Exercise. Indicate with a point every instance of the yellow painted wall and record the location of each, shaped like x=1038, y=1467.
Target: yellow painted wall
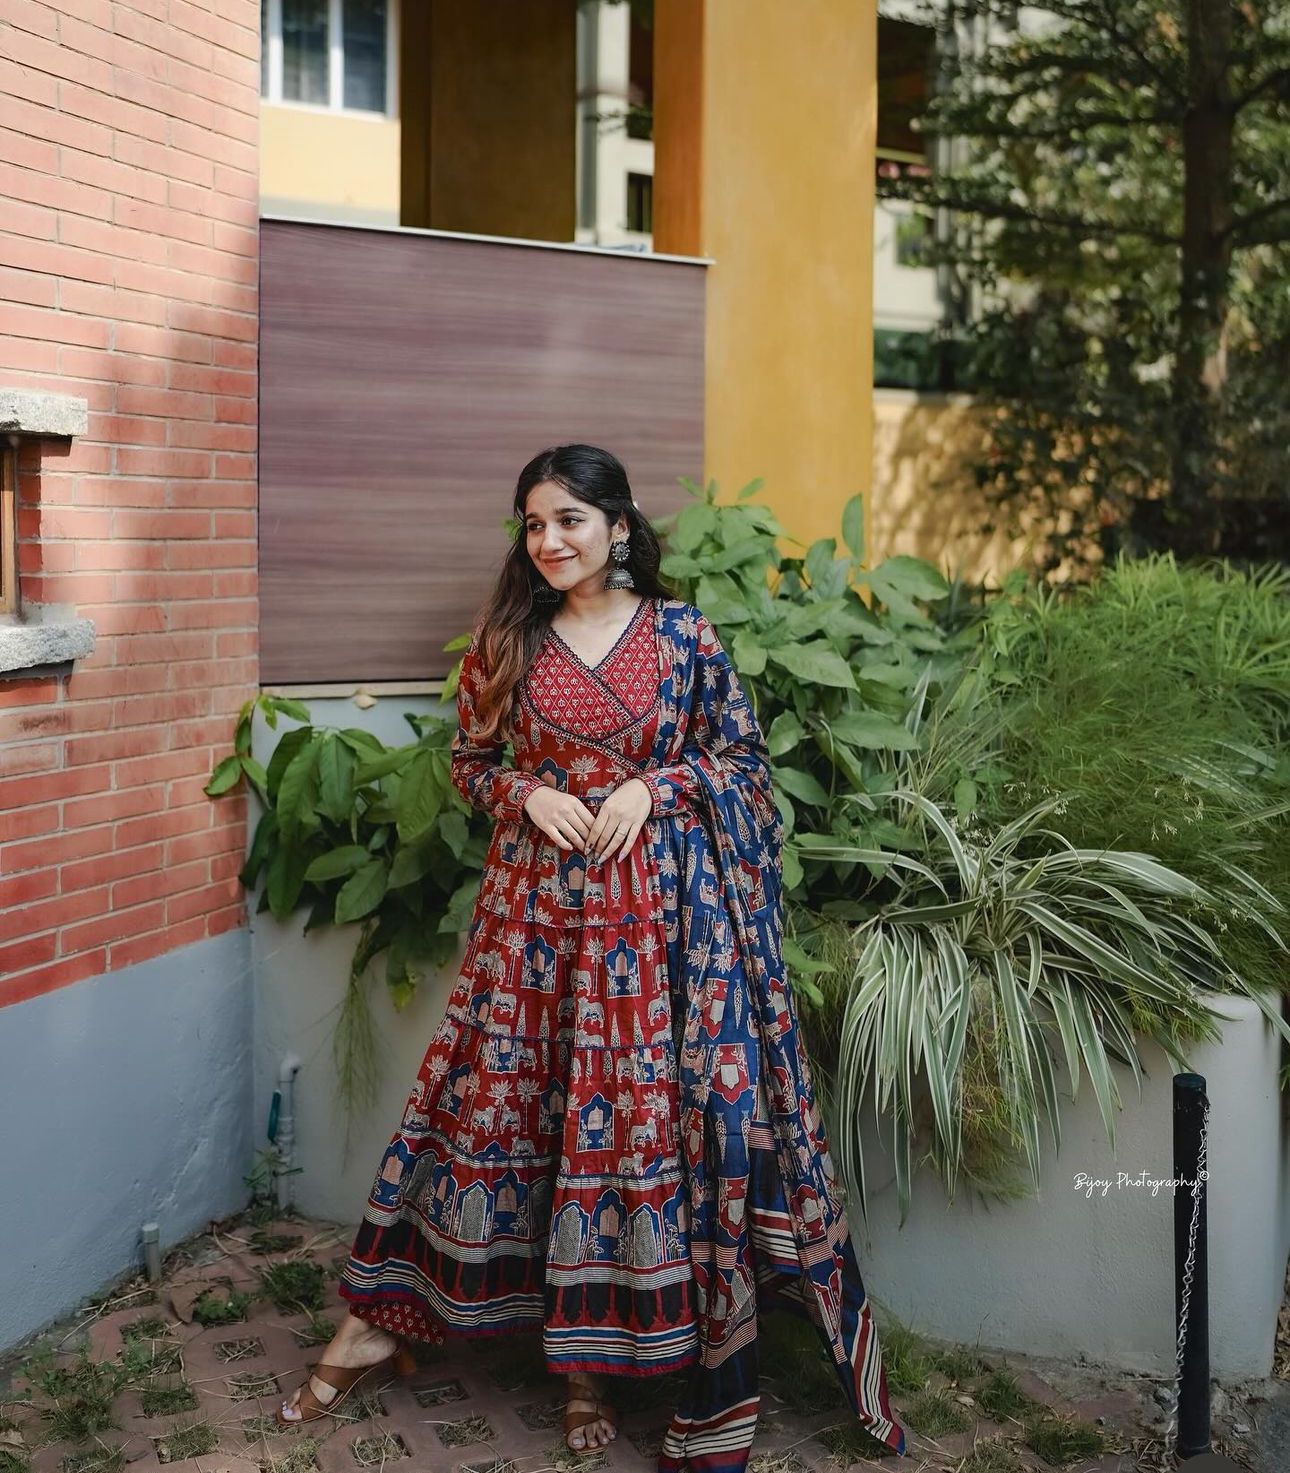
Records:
x=336, y=166
x=925, y=501
x=789, y=116
x=488, y=104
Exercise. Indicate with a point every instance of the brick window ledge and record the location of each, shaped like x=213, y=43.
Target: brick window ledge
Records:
x=39, y=639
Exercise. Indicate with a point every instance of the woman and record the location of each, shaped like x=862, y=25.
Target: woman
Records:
x=613, y=1135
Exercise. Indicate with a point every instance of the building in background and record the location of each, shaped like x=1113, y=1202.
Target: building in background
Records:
x=212, y=408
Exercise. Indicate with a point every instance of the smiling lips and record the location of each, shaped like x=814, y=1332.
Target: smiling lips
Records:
x=551, y=561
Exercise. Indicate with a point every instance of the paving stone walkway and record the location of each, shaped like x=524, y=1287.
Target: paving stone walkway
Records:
x=150, y=1377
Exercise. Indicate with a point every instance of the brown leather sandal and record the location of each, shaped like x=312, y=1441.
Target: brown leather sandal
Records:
x=582, y=1411
x=344, y=1381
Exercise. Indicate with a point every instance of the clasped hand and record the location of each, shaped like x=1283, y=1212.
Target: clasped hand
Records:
x=608, y=834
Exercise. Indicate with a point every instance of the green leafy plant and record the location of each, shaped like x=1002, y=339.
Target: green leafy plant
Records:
x=362, y=834
x=981, y=878
x=214, y=1308
x=296, y=1285
x=355, y=832
x=831, y=652
x=80, y=1396
x=1159, y=699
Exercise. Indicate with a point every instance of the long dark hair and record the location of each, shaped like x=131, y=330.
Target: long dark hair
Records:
x=512, y=625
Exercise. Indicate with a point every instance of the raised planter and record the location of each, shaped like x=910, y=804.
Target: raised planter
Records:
x=1087, y=1267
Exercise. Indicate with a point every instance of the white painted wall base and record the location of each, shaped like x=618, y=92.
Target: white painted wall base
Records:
x=300, y=984
x=125, y=1099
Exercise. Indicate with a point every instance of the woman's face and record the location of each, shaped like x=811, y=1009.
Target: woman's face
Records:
x=567, y=539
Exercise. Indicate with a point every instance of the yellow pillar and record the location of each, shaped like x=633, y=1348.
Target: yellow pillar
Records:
x=788, y=115
x=488, y=117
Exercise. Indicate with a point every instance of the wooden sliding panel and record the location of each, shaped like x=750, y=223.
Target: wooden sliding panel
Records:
x=405, y=379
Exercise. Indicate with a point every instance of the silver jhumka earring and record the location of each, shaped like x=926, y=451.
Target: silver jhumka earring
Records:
x=618, y=576
x=545, y=595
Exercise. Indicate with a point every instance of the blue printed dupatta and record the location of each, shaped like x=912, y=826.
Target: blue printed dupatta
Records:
x=767, y=1223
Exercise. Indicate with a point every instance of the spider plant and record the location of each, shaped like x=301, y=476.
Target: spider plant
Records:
x=1017, y=943
x=1001, y=954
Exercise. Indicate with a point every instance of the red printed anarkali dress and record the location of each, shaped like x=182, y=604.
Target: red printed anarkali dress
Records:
x=613, y=1135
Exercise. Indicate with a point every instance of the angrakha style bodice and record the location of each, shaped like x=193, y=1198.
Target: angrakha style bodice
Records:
x=612, y=1135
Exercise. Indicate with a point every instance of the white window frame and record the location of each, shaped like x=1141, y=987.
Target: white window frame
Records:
x=335, y=64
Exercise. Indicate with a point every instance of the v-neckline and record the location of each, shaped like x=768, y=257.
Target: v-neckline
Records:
x=613, y=648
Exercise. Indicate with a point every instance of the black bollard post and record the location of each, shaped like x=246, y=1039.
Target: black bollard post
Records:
x=1191, y=1265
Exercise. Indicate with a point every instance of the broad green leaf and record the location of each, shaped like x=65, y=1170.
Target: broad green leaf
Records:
x=420, y=797
x=255, y=772
x=335, y=778
x=695, y=522
x=288, y=745
x=461, y=906
x=853, y=526
x=910, y=576
x=801, y=785
x=872, y=730
x=818, y=663
x=286, y=878
x=361, y=743
x=819, y=560
x=266, y=831
x=362, y=892
x=410, y=864
x=226, y=773
x=394, y=760
x=749, y=656
x=784, y=734
x=336, y=862
x=751, y=489
x=454, y=831
x=298, y=790
x=296, y=710
x=800, y=961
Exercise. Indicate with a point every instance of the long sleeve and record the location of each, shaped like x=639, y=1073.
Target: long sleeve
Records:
x=723, y=740
x=477, y=771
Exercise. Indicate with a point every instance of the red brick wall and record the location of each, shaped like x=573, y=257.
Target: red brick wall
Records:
x=128, y=265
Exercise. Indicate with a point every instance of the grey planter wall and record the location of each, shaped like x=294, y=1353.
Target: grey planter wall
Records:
x=1083, y=1270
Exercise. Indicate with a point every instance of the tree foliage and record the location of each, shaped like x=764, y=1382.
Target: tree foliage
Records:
x=1121, y=189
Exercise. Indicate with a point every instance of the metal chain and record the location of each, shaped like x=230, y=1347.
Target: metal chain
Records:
x=1202, y=1174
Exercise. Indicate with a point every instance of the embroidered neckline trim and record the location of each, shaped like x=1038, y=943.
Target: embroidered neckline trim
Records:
x=613, y=648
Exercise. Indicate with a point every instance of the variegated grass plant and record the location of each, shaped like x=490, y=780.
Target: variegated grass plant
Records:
x=1006, y=964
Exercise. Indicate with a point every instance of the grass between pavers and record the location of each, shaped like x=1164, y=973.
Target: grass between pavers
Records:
x=80, y=1395
x=186, y=1440
x=318, y=1331
x=101, y=1459
x=848, y=1442
x=262, y=1241
x=299, y=1455
x=1061, y=1439
x=792, y=1362
x=564, y=1459
x=385, y=1447
x=295, y=1286
x=165, y=1401
x=216, y=1308
x=992, y=1455
x=937, y=1413
x=1001, y=1398
x=465, y=1430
